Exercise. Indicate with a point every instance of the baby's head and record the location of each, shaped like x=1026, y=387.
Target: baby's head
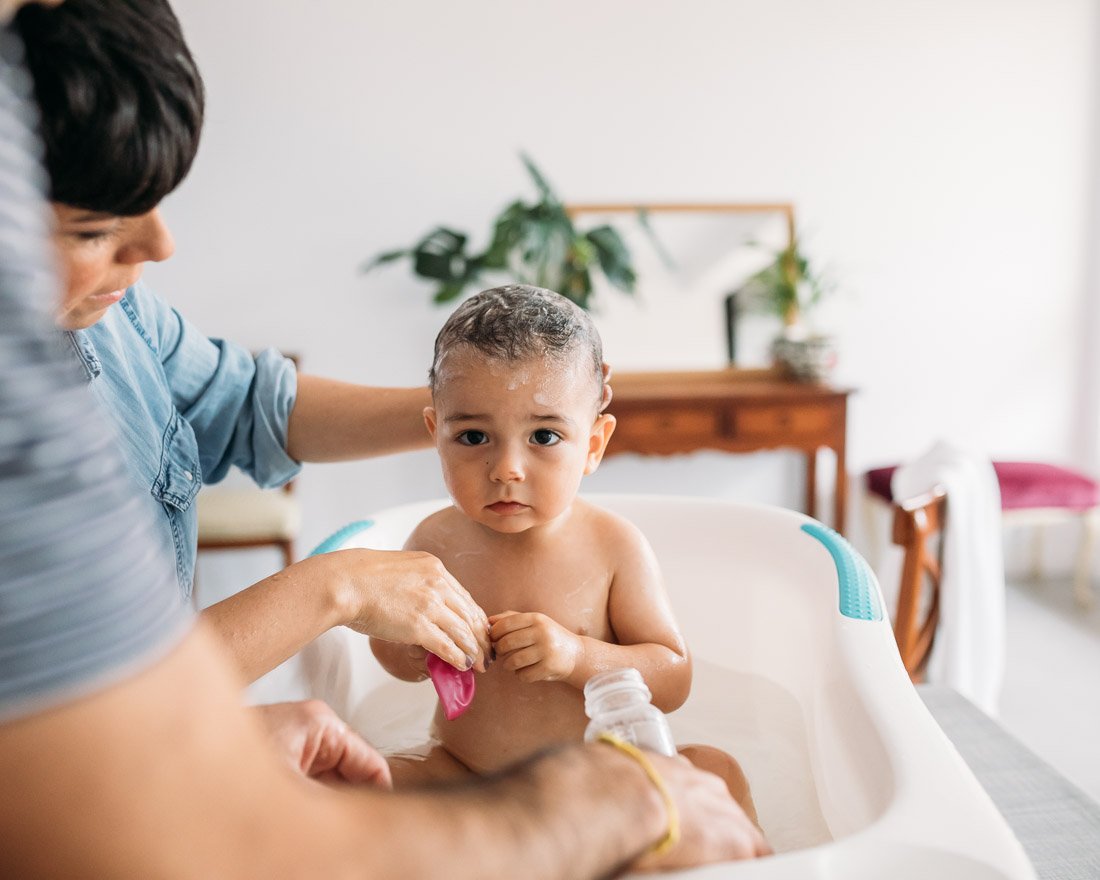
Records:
x=520, y=323
x=517, y=385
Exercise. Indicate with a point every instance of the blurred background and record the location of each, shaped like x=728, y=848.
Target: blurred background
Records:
x=942, y=158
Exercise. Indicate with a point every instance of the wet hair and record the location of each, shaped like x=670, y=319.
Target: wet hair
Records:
x=120, y=97
x=519, y=322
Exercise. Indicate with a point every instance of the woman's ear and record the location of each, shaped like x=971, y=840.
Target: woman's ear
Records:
x=602, y=430
x=429, y=419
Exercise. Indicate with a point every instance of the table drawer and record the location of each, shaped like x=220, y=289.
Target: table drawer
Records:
x=666, y=426
x=782, y=422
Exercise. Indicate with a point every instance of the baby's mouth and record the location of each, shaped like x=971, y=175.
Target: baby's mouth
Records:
x=507, y=508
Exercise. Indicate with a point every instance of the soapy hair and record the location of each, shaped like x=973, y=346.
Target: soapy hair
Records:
x=519, y=322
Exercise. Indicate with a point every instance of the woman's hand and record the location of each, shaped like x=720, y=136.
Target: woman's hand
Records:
x=407, y=596
x=314, y=741
x=533, y=646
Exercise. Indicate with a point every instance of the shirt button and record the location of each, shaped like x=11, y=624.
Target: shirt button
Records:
x=190, y=476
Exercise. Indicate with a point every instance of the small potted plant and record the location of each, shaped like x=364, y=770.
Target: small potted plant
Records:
x=790, y=289
x=531, y=242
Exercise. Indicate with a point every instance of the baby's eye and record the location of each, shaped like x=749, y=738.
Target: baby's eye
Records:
x=545, y=437
x=473, y=438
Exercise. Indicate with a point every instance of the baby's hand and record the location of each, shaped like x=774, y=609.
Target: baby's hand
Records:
x=533, y=646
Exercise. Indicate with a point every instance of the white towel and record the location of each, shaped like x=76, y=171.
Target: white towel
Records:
x=969, y=650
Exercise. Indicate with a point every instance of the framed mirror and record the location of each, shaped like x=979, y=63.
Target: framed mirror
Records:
x=689, y=259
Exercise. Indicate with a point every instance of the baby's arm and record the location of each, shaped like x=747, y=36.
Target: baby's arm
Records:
x=540, y=649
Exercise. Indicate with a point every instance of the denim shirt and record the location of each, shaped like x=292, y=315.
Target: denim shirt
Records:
x=186, y=408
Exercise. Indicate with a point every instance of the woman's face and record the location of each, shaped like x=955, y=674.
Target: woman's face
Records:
x=100, y=255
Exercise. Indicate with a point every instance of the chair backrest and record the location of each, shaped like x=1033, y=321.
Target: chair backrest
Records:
x=918, y=530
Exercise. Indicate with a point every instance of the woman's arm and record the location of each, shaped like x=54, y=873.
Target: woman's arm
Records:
x=401, y=596
x=337, y=421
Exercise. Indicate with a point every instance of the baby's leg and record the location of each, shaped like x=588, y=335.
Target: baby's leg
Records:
x=434, y=765
x=724, y=766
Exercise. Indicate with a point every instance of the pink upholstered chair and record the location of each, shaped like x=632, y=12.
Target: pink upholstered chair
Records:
x=1034, y=494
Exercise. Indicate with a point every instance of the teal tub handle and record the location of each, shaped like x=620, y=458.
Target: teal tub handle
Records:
x=859, y=598
x=333, y=541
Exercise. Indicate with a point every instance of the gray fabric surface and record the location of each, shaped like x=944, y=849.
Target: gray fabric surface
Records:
x=1057, y=823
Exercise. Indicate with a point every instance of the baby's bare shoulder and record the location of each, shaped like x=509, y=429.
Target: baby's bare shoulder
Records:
x=615, y=532
x=436, y=531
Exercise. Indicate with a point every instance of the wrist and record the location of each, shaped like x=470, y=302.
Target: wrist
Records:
x=334, y=589
x=649, y=821
x=581, y=671
x=671, y=837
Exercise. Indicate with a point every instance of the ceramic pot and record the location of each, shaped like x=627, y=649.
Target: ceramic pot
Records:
x=806, y=358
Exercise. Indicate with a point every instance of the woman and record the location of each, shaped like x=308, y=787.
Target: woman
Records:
x=122, y=110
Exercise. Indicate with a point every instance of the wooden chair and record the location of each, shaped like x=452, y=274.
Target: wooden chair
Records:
x=238, y=519
x=243, y=518
x=918, y=530
x=1034, y=494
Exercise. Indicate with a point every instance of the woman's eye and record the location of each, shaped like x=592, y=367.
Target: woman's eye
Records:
x=473, y=438
x=545, y=437
x=93, y=234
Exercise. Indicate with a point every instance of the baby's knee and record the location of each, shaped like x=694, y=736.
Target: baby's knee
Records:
x=723, y=765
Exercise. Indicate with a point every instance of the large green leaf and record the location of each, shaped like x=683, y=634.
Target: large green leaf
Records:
x=383, y=258
x=546, y=192
x=613, y=256
x=439, y=255
x=507, y=232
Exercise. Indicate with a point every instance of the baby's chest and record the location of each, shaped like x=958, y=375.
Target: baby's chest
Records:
x=574, y=595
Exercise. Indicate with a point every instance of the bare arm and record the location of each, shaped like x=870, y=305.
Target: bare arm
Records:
x=339, y=421
x=405, y=662
x=396, y=595
x=185, y=786
x=646, y=632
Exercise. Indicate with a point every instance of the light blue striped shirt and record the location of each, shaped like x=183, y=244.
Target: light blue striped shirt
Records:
x=86, y=595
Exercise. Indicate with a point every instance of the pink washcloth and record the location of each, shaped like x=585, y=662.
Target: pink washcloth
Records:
x=455, y=688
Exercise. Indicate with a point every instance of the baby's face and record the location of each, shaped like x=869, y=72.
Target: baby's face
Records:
x=515, y=438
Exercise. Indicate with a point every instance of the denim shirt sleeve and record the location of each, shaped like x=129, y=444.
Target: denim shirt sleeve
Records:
x=238, y=406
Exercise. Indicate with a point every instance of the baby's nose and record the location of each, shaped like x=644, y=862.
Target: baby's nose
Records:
x=507, y=468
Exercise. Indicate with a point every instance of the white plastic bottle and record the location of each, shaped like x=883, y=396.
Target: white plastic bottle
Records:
x=617, y=701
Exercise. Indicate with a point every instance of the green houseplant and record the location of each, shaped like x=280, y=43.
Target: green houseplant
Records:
x=532, y=242
x=789, y=288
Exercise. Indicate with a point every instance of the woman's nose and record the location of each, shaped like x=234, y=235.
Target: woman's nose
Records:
x=150, y=241
x=507, y=467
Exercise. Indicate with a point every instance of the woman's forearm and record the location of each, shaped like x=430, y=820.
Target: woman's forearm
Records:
x=339, y=421
x=272, y=620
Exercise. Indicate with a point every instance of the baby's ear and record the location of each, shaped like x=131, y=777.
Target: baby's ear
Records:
x=429, y=419
x=602, y=430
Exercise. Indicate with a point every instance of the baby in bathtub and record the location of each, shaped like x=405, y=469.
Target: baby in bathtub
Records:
x=572, y=590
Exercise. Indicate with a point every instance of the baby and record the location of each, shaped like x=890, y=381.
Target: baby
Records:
x=572, y=590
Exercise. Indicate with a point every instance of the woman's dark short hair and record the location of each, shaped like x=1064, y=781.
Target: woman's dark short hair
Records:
x=121, y=101
x=518, y=322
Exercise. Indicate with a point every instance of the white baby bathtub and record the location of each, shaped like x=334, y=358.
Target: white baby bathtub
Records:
x=796, y=674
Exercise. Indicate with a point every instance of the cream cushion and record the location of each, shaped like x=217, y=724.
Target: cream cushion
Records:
x=247, y=515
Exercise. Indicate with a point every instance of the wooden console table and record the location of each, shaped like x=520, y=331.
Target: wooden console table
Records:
x=736, y=411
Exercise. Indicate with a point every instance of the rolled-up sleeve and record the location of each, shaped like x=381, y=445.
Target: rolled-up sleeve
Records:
x=238, y=405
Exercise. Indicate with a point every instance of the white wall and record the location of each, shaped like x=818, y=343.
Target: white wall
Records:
x=940, y=155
